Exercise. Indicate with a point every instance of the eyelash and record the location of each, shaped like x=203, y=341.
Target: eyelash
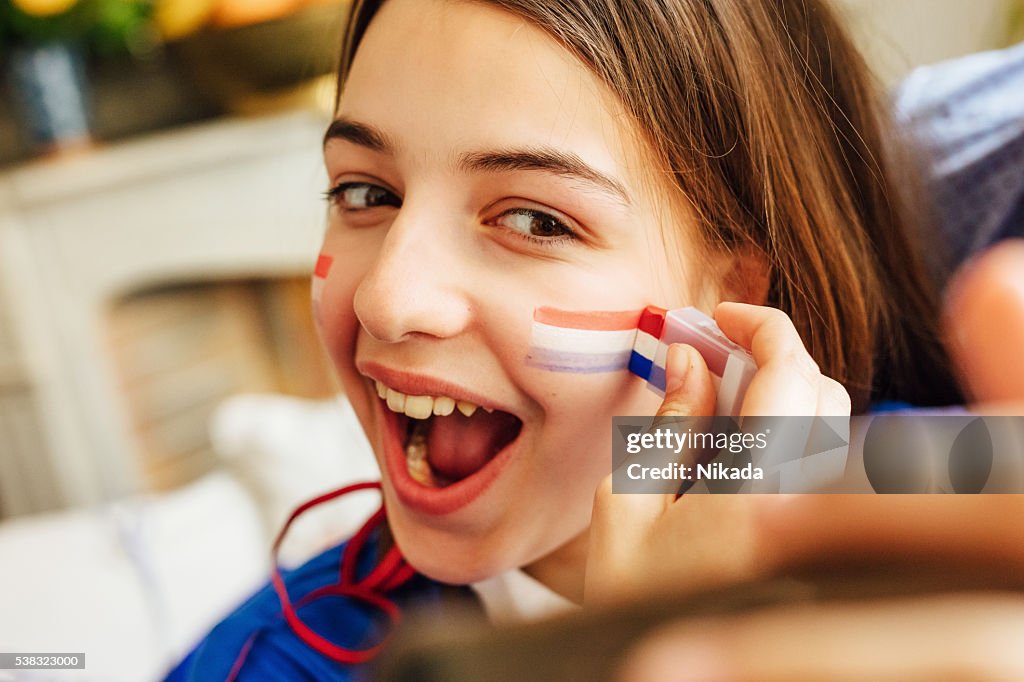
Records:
x=333, y=196
x=548, y=242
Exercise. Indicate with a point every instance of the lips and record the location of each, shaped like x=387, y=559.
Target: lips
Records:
x=417, y=384
x=439, y=463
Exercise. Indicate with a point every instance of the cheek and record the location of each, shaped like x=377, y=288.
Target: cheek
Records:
x=336, y=320
x=351, y=257
x=576, y=408
x=544, y=331
x=579, y=410
x=572, y=453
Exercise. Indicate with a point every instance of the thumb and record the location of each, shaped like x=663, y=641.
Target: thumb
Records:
x=688, y=388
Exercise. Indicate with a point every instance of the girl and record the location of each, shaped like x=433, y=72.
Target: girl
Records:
x=491, y=157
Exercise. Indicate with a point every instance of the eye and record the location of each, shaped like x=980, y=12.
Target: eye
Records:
x=357, y=196
x=535, y=225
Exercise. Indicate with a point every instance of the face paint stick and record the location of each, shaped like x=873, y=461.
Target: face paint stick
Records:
x=607, y=341
x=731, y=366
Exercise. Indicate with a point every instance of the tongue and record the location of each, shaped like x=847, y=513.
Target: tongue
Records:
x=458, y=446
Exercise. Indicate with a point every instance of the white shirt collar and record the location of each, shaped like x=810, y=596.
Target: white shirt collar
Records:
x=515, y=597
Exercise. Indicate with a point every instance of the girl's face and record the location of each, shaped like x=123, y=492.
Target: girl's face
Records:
x=479, y=172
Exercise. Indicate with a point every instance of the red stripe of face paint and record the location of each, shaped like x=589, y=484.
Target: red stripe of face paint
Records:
x=323, y=266
x=595, y=320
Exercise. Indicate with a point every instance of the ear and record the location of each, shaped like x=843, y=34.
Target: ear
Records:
x=746, y=276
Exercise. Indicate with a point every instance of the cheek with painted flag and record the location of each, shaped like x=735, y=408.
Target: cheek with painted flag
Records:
x=589, y=342
x=582, y=342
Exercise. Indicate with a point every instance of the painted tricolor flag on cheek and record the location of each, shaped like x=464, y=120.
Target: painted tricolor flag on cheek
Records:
x=323, y=267
x=582, y=342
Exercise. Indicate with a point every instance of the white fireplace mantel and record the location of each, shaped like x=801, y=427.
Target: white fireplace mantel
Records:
x=229, y=199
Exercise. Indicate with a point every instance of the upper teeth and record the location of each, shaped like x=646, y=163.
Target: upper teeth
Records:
x=422, y=406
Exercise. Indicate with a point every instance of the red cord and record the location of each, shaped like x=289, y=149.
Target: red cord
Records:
x=390, y=573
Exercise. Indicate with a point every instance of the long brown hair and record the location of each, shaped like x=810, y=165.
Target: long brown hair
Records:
x=767, y=122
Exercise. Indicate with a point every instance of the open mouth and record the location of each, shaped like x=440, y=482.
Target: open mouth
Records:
x=445, y=440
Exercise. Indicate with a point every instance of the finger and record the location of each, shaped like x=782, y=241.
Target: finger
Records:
x=619, y=530
x=984, y=319
x=766, y=332
x=1001, y=409
x=689, y=391
x=622, y=522
x=833, y=399
x=626, y=515
x=791, y=531
x=721, y=543
x=947, y=637
x=623, y=525
x=983, y=529
x=787, y=380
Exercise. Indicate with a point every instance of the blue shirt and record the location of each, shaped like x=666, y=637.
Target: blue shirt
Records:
x=276, y=652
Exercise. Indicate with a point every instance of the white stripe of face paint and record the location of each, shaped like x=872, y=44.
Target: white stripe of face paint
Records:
x=317, y=292
x=581, y=340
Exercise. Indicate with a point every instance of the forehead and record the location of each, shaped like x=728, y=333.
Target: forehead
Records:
x=433, y=72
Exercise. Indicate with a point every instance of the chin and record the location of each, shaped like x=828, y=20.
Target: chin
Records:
x=448, y=558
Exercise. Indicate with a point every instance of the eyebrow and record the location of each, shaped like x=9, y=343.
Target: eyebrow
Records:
x=545, y=159
x=360, y=134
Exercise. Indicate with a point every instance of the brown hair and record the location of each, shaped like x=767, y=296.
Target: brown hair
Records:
x=765, y=118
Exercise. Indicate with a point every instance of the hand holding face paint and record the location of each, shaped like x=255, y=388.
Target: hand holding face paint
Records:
x=787, y=380
x=731, y=366
x=609, y=341
x=644, y=542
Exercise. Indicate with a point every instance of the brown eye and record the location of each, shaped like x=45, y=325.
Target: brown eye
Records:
x=535, y=224
x=355, y=196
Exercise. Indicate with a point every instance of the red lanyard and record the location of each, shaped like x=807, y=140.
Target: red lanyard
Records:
x=390, y=573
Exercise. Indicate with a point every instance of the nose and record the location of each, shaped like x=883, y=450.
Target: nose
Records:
x=418, y=283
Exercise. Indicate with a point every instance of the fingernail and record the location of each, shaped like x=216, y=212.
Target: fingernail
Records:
x=677, y=366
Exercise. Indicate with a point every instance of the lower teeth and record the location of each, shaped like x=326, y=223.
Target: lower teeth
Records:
x=416, y=462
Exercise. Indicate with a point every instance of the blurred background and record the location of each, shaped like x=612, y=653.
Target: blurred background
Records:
x=163, y=399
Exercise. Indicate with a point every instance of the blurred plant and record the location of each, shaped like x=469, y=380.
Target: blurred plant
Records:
x=103, y=27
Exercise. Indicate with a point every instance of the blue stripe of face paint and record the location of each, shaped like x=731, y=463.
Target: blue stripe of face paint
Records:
x=577, y=363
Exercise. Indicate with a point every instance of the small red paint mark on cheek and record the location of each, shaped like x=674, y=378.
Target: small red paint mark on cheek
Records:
x=320, y=272
x=323, y=266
